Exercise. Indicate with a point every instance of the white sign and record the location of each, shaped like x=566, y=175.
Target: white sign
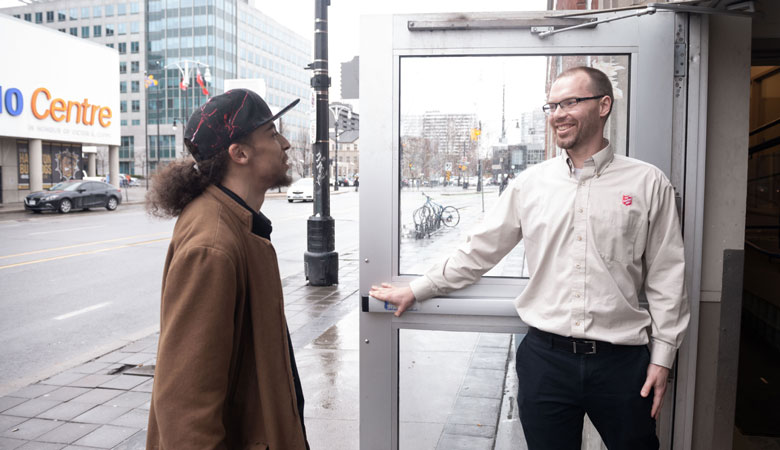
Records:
x=448, y=166
x=313, y=117
x=57, y=87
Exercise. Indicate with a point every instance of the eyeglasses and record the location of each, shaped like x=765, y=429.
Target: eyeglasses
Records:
x=550, y=108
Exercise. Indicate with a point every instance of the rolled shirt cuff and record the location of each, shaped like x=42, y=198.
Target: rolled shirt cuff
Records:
x=662, y=354
x=422, y=288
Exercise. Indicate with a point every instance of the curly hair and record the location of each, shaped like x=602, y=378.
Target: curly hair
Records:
x=180, y=182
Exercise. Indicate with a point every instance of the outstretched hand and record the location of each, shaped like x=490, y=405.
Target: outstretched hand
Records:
x=401, y=297
x=656, y=380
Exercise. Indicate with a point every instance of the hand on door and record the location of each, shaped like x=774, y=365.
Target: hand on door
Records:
x=401, y=296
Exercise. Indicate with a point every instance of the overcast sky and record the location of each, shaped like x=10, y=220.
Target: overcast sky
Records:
x=344, y=19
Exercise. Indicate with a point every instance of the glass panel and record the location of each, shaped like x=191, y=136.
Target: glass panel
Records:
x=494, y=123
x=451, y=389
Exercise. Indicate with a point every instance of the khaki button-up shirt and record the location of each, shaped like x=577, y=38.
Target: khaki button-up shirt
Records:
x=592, y=243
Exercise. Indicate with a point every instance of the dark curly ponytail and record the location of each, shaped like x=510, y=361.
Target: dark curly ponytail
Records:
x=180, y=182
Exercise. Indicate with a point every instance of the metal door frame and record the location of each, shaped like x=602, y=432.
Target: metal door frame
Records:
x=680, y=128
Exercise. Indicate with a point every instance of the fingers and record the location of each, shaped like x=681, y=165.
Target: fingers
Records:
x=647, y=386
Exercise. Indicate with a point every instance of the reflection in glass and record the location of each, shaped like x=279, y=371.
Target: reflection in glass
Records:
x=468, y=126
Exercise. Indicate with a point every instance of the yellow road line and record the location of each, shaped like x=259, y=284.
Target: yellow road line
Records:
x=54, y=258
x=86, y=244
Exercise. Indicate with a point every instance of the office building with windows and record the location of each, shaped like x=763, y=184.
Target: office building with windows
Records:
x=183, y=44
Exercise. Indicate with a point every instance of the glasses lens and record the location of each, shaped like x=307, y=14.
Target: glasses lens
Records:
x=548, y=108
x=569, y=102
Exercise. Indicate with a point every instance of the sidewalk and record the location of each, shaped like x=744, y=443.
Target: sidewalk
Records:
x=452, y=385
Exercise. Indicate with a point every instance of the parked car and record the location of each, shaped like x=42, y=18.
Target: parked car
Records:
x=78, y=194
x=302, y=190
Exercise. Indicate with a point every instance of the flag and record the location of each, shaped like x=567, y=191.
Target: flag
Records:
x=185, y=79
x=199, y=79
x=150, y=81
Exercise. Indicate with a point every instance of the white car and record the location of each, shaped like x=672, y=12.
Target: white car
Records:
x=302, y=190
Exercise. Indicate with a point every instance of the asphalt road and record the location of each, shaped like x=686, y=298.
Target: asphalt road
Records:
x=75, y=286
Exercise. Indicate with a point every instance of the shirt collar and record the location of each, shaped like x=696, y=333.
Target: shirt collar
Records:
x=261, y=225
x=601, y=160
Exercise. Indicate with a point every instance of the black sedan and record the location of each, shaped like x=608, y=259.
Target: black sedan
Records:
x=68, y=195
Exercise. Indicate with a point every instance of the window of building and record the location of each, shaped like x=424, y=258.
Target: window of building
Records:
x=123, y=122
x=136, y=122
x=110, y=44
x=135, y=86
x=85, y=32
x=97, y=31
x=74, y=13
x=109, y=10
x=121, y=28
x=136, y=105
x=135, y=27
x=18, y=16
x=85, y=12
x=121, y=9
x=126, y=149
x=97, y=11
x=123, y=87
x=135, y=8
x=123, y=106
x=39, y=17
x=49, y=16
x=109, y=29
x=134, y=47
x=74, y=31
x=122, y=67
x=62, y=30
x=134, y=66
x=122, y=47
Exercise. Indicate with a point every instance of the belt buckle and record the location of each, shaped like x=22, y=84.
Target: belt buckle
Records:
x=591, y=352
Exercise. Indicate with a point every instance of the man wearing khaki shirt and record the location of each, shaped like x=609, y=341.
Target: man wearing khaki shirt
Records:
x=597, y=228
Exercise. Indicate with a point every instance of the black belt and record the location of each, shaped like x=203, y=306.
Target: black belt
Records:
x=574, y=345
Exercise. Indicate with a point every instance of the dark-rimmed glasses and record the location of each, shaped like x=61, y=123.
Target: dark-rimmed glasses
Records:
x=550, y=108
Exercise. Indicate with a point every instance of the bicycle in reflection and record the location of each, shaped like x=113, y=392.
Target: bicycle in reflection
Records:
x=431, y=216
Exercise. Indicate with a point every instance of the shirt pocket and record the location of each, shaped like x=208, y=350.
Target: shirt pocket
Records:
x=613, y=232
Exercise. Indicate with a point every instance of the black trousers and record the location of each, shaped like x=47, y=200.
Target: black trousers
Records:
x=558, y=387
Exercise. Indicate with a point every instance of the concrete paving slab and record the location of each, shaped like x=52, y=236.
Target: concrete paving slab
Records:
x=123, y=382
x=460, y=442
x=32, y=408
x=91, y=367
x=63, y=378
x=11, y=444
x=66, y=411
x=484, y=431
x=114, y=357
x=107, y=436
x=10, y=402
x=101, y=414
x=134, y=442
x=33, y=391
x=31, y=429
x=97, y=396
x=7, y=422
x=146, y=386
x=130, y=400
x=483, y=383
x=40, y=446
x=78, y=447
x=65, y=393
x=68, y=433
x=429, y=382
x=135, y=418
x=93, y=381
x=330, y=383
x=475, y=411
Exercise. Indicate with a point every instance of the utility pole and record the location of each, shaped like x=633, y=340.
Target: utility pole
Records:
x=320, y=261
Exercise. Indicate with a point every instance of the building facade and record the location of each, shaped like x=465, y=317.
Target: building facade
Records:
x=165, y=55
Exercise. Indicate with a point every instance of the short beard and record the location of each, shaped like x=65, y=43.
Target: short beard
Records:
x=283, y=181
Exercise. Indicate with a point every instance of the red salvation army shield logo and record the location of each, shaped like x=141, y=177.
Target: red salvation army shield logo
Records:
x=627, y=200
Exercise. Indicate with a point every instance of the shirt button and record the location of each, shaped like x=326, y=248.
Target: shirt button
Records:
x=582, y=184
x=580, y=210
x=579, y=238
x=577, y=266
x=577, y=323
x=577, y=295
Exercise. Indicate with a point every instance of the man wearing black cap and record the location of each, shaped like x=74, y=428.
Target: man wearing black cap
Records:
x=226, y=376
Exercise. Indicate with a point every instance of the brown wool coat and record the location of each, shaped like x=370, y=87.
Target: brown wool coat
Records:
x=223, y=378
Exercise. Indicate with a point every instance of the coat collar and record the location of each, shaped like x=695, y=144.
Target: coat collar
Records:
x=242, y=214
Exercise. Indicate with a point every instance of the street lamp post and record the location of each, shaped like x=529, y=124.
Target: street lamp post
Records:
x=336, y=110
x=321, y=261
